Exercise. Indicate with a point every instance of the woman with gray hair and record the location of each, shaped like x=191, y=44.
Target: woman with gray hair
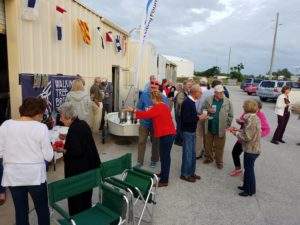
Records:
x=80, y=154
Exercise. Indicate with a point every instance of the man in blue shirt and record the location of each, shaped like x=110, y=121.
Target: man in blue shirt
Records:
x=146, y=129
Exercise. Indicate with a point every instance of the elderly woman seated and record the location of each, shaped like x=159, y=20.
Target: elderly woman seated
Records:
x=80, y=154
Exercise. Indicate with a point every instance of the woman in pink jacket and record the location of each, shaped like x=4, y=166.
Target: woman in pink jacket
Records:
x=237, y=149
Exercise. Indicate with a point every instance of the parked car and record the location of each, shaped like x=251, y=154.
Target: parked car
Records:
x=295, y=97
x=252, y=88
x=246, y=83
x=271, y=89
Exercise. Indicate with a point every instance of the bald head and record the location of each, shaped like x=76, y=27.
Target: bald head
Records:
x=196, y=91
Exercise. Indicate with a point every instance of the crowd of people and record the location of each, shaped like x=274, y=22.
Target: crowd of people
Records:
x=203, y=113
x=194, y=116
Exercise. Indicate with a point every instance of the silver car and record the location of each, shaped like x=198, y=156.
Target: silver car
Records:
x=271, y=89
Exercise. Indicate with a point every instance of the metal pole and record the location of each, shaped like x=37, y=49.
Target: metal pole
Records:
x=229, y=59
x=274, y=46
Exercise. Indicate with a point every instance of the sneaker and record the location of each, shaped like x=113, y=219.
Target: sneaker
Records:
x=162, y=184
x=188, y=179
x=282, y=141
x=207, y=161
x=153, y=164
x=235, y=173
x=197, y=177
x=219, y=166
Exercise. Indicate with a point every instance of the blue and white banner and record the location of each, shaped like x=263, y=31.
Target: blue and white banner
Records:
x=145, y=25
x=151, y=4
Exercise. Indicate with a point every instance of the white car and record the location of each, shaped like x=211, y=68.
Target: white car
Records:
x=271, y=89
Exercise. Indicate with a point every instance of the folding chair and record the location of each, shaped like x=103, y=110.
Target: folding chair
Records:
x=141, y=184
x=114, y=208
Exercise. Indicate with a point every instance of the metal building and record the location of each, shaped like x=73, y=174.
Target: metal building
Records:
x=185, y=67
x=33, y=45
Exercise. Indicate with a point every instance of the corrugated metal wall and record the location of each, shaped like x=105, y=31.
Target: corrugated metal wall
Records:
x=2, y=17
x=39, y=50
x=42, y=53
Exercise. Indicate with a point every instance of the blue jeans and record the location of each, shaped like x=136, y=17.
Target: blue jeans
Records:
x=38, y=194
x=2, y=189
x=249, y=175
x=188, y=165
x=165, y=146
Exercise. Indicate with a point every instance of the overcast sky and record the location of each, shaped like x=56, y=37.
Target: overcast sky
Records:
x=204, y=30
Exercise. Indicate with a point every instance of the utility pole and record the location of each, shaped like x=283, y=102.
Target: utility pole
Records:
x=274, y=46
x=229, y=59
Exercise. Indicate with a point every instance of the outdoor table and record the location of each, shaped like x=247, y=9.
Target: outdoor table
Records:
x=54, y=136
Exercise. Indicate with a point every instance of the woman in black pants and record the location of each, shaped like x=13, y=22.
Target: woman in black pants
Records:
x=80, y=154
x=282, y=110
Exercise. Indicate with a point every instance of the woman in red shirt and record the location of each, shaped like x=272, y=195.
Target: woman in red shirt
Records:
x=164, y=129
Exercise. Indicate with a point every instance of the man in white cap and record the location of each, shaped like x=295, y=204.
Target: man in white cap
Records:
x=220, y=110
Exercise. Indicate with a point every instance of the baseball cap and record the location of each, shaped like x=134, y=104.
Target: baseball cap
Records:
x=219, y=88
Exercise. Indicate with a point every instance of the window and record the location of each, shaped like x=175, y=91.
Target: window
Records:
x=268, y=84
x=280, y=84
x=248, y=81
x=296, y=85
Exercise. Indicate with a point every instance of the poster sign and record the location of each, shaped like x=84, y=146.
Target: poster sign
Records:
x=54, y=92
x=61, y=85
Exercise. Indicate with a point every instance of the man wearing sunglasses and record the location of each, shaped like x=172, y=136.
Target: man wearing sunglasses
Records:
x=146, y=129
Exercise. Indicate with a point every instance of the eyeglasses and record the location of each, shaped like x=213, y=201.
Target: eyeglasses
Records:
x=154, y=83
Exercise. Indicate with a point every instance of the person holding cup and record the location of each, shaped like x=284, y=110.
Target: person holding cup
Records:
x=163, y=131
x=250, y=137
x=189, y=120
x=80, y=154
x=220, y=111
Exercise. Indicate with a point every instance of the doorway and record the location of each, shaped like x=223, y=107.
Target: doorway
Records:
x=116, y=87
x=4, y=85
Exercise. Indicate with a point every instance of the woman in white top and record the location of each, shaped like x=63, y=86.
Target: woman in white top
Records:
x=282, y=109
x=25, y=146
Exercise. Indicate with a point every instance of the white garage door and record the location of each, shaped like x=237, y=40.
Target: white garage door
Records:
x=2, y=17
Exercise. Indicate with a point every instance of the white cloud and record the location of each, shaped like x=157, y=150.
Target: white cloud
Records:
x=204, y=30
x=198, y=11
x=214, y=18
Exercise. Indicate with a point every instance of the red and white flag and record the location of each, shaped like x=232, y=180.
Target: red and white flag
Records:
x=59, y=24
x=109, y=37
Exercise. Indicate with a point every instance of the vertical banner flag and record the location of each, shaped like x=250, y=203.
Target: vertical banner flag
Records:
x=147, y=19
x=85, y=31
x=59, y=29
x=109, y=37
x=102, y=42
x=118, y=44
x=30, y=10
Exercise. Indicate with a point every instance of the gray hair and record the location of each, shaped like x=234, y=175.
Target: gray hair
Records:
x=195, y=88
x=68, y=110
